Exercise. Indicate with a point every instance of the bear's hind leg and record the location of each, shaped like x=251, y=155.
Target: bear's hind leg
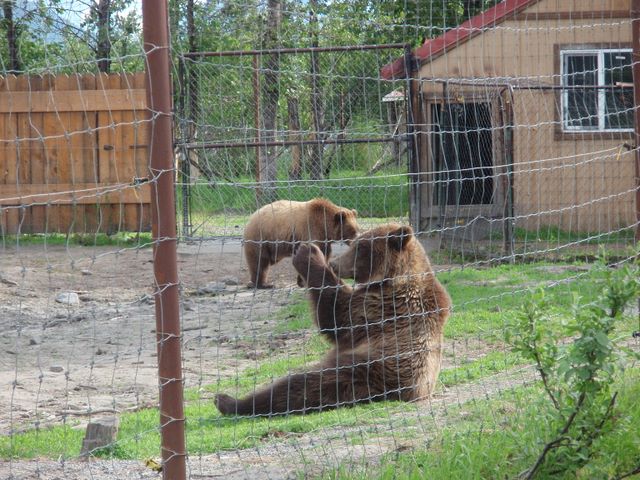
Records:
x=302, y=393
x=287, y=395
x=259, y=261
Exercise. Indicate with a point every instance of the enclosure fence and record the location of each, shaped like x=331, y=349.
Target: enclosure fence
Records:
x=319, y=239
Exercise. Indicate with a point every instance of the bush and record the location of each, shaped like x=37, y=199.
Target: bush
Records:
x=577, y=362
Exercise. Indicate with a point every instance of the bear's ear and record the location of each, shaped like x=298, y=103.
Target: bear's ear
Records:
x=340, y=217
x=400, y=237
x=355, y=212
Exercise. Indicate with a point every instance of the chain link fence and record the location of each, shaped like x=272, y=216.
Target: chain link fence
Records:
x=338, y=131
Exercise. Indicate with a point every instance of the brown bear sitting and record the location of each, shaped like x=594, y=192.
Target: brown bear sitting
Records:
x=274, y=229
x=387, y=331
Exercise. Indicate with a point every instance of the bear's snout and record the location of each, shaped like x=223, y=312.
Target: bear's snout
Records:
x=339, y=270
x=334, y=266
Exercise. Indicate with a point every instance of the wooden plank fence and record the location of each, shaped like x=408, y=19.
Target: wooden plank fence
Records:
x=73, y=154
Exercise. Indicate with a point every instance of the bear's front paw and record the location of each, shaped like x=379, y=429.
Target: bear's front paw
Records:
x=306, y=257
x=225, y=403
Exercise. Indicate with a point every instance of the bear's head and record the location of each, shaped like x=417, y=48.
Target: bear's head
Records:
x=345, y=226
x=385, y=252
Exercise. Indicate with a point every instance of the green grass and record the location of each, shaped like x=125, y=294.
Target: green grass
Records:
x=485, y=300
x=295, y=316
x=498, y=438
x=553, y=234
x=384, y=194
x=122, y=239
x=470, y=370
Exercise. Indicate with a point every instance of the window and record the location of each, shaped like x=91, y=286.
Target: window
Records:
x=597, y=109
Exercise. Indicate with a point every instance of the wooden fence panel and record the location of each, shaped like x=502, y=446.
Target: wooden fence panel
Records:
x=73, y=153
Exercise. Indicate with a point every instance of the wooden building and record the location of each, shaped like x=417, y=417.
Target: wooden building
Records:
x=526, y=112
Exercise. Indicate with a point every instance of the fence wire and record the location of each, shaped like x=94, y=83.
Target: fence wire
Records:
x=368, y=194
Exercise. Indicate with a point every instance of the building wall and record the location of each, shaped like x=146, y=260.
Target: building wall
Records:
x=577, y=181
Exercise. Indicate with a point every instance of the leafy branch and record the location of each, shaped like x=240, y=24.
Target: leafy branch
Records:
x=577, y=361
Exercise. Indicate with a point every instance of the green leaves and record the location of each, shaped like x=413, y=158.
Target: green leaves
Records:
x=577, y=362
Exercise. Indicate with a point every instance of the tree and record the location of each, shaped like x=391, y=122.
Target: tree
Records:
x=24, y=25
x=317, y=107
x=110, y=27
x=12, y=36
x=102, y=13
x=270, y=96
x=334, y=91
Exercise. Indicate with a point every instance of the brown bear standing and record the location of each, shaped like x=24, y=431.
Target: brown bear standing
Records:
x=387, y=331
x=273, y=230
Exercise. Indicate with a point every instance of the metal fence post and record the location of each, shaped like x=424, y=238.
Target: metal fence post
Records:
x=162, y=174
x=412, y=142
x=635, y=33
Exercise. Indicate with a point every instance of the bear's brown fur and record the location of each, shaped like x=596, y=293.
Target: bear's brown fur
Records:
x=273, y=231
x=387, y=331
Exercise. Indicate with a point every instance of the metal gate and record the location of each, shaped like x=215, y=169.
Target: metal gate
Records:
x=337, y=114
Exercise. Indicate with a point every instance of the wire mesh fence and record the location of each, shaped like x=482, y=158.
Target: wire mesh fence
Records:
x=335, y=128
x=389, y=223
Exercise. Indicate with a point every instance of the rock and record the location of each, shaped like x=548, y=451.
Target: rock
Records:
x=101, y=432
x=56, y=369
x=254, y=355
x=86, y=272
x=189, y=307
x=231, y=281
x=212, y=289
x=33, y=341
x=24, y=294
x=68, y=298
x=6, y=281
x=147, y=299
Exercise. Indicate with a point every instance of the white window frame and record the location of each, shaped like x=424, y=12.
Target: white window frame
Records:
x=599, y=53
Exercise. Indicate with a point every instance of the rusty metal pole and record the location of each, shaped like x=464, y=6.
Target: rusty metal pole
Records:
x=162, y=171
x=635, y=33
x=412, y=142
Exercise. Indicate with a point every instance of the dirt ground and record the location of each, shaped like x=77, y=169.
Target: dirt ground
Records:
x=66, y=361
x=62, y=359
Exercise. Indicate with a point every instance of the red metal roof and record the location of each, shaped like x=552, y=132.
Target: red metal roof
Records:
x=437, y=46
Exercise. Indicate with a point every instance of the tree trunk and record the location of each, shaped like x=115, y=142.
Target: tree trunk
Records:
x=471, y=8
x=103, y=47
x=295, y=172
x=336, y=148
x=192, y=81
x=12, y=37
x=270, y=95
x=317, y=107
